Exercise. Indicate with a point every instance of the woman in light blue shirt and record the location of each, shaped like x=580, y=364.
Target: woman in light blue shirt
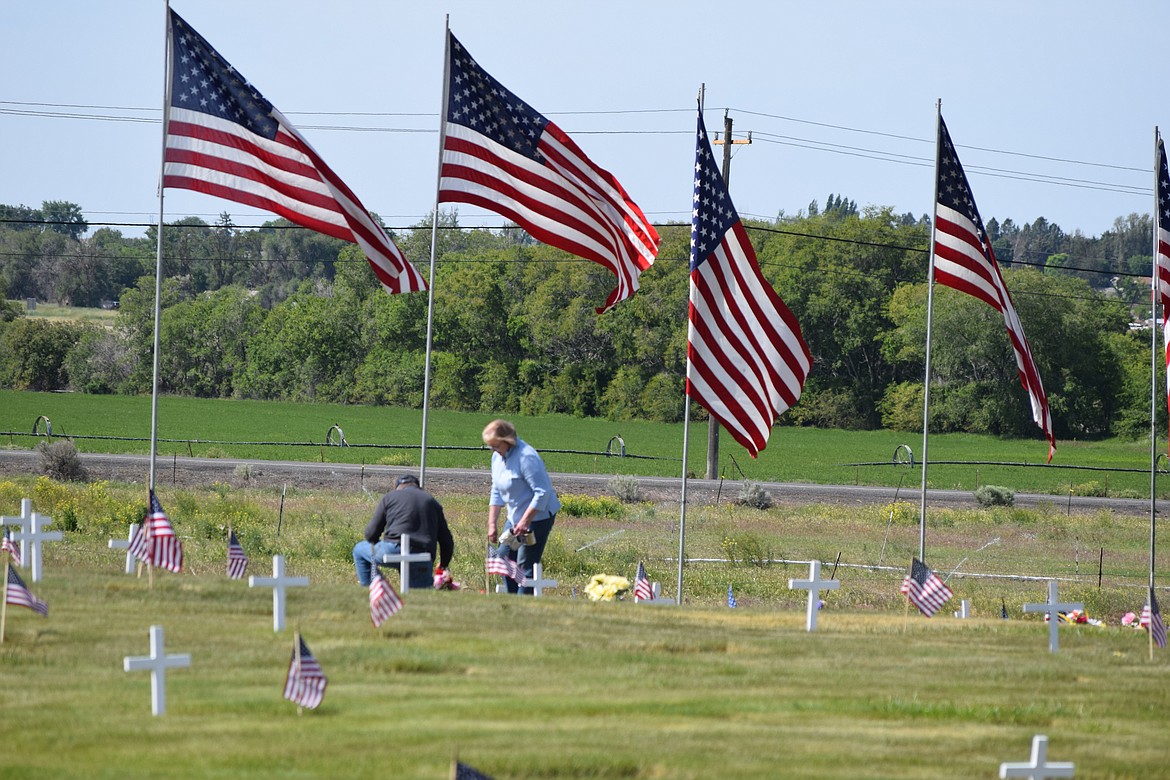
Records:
x=521, y=486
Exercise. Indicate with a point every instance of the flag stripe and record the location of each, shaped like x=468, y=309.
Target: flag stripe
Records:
x=964, y=260
x=224, y=139
x=18, y=594
x=1162, y=259
x=502, y=155
x=746, y=358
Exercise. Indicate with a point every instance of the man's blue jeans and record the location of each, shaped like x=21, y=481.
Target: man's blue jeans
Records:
x=529, y=554
x=421, y=575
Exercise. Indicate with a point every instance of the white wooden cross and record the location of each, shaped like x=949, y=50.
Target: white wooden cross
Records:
x=656, y=597
x=537, y=582
x=31, y=536
x=157, y=663
x=404, y=557
x=1039, y=768
x=1052, y=607
x=279, y=583
x=814, y=585
x=964, y=611
x=118, y=544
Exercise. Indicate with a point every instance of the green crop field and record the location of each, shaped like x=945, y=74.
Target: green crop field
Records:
x=560, y=687
x=266, y=430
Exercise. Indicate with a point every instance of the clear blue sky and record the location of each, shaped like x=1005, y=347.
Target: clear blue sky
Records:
x=840, y=97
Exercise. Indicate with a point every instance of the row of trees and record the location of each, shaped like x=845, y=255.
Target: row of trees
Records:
x=280, y=313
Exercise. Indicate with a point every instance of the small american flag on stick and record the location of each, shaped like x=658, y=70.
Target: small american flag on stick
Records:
x=156, y=543
x=10, y=547
x=924, y=588
x=237, y=560
x=16, y=593
x=505, y=567
x=305, y=683
x=643, y=591
x=1152, y=619
x=384, y=600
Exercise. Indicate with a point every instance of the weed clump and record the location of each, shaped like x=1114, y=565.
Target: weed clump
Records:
x=626, y=488
x=60, y=460
x=754, y=496
x=994, y=495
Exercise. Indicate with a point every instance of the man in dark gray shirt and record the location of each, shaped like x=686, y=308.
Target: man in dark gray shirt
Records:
x=407, y=510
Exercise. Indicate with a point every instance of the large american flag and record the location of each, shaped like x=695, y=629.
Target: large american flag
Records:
x=1162, y=258
x=156, y=543
x=643, y=590
x=305, y=683
x=1152, y=619
x=384, y=600
x=18, y=594
x=924, y=588
x=505, y=567
x=237, y=559
x=963, y=259
x=224, y=139
x=10, y=547
x=502, y=155
x=746, y=358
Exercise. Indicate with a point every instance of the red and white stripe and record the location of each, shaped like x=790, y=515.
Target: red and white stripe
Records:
x=568, y=202
x=384, y=600
x=1162, y=253
x=963, y=262
x=285, y=176
x=747, y=361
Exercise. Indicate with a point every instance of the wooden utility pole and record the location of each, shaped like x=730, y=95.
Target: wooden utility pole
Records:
x=712, y=423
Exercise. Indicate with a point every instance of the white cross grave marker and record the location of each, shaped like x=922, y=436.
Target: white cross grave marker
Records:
x=1039, y=768
x=814, y=585
x=118, y=544
x=1052, y=607
x=157, y=663
x=31, y=537
x=656, y=597
x=404, y=558
x=964, y=611
x=279, y=583
x=537, y=582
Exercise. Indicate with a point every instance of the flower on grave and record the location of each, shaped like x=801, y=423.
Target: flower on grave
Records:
x=444, y=581
x=607, y=587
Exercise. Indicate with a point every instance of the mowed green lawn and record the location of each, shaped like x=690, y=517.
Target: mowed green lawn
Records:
x=559, y=687
x=392, y=436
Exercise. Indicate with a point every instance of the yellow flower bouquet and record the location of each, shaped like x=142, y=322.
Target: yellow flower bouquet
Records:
x=607, y=587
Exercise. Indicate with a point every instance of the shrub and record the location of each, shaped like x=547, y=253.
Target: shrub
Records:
x=1092, y=488
x=754, y=496
x=59, y=460
x=993, y=495
x=900, y=513
x=626, y=488
x=588, y=506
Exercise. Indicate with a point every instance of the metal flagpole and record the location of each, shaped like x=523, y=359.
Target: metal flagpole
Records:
x=682, y=520
x=1154, y=357
x=929, y=322
x=159, y=251
x=422, y=469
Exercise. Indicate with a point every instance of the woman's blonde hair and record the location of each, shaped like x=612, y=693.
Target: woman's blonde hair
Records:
x=499, y=430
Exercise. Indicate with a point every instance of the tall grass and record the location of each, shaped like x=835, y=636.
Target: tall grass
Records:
x=794, y=454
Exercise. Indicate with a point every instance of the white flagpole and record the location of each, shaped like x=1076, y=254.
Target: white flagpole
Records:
x=422, y=469
x=929, y=322
x=1154, y=358
x=159, y=250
